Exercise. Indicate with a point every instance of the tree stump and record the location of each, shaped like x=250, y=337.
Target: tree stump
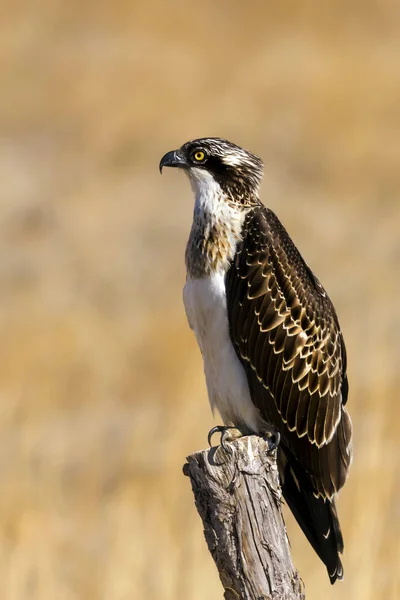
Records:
x=239, y=500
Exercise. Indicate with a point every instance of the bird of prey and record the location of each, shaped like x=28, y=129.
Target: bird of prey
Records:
x=274, y=355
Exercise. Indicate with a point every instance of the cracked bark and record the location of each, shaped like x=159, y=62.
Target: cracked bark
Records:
x=239, y=500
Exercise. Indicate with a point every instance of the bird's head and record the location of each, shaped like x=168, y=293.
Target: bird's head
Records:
x=211, y=162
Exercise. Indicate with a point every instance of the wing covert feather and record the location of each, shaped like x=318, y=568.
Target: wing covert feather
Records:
x=285, y=330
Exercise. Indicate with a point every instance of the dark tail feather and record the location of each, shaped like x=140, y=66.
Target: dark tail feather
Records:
x=316, y=516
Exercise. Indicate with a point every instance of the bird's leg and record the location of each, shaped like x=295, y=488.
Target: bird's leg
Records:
x=228, y=434
x=273, y=437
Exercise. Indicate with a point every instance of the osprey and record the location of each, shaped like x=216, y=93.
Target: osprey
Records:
x=274, y=355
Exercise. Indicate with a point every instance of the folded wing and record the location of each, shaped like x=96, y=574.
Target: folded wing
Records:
x=286, y=333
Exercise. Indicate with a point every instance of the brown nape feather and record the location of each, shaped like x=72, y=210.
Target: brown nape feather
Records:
x=286, y=334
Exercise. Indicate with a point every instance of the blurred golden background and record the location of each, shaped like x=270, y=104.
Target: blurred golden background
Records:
x=101, y=383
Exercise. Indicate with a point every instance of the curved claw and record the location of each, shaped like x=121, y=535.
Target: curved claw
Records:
x=217, y=429
x=224, y=444
x=273, y=441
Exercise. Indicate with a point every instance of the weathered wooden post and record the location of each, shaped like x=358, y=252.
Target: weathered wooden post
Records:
x=239, y=500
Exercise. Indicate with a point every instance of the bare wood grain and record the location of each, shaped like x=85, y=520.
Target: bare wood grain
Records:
x=239, y=500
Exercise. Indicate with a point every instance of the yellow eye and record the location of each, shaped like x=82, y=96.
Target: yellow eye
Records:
x=199, y=155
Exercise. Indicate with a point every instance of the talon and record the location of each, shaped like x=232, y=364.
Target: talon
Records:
x=228, y=434
x=224, y=444
x=217, y=429
x=273, y=438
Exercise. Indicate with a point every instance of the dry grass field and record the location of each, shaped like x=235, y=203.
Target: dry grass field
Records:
x=101, y=386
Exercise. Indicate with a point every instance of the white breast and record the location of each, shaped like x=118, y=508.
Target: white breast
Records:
x=228, y=390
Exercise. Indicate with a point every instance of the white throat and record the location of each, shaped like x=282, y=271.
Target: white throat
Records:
x=208, y=193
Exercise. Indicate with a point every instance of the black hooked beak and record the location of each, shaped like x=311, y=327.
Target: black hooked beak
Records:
x=173, y=159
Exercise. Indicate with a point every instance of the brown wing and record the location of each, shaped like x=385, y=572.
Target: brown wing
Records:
x=286, y=333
